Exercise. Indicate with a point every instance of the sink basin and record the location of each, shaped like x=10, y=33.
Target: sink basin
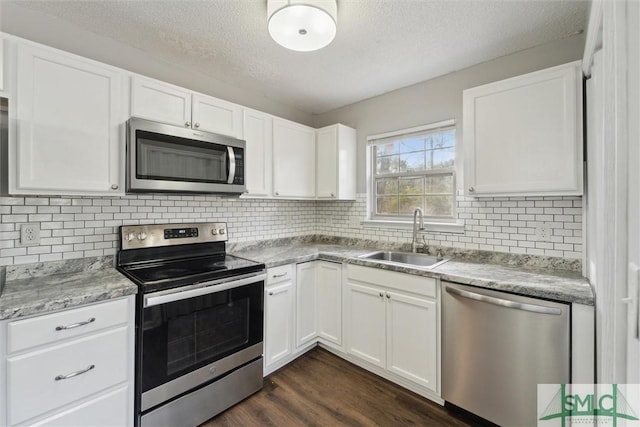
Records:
x=405, y=258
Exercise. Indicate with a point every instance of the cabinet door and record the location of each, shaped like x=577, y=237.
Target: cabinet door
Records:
x=279, y=314
x=523, y=136
x=329, y=302
x=306, y=330
x=412, y=338
x=218, y=116
x=366, y=323
x=258, y=128
x=70, y=124
x=154, y=100
x=294, y=160
x=110, y=409
x=327, y=163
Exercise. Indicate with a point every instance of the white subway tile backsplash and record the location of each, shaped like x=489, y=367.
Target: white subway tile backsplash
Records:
x=85, y=226
x=503, y=224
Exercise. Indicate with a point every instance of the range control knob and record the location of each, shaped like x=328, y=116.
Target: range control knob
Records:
x=130, y=236
x=142, y=235
x=222, y=231
x=214, y=231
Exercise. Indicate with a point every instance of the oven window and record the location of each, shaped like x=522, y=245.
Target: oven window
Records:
x=167, y=158
x=182, y=336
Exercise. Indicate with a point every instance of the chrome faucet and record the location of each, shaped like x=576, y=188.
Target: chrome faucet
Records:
x=417, y=213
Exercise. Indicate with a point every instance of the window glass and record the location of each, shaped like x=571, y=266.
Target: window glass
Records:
x=414, y=171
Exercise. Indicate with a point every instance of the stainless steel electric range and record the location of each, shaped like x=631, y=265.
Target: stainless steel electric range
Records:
x=199, y=321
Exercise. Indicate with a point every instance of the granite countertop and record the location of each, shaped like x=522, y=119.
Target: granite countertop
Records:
x=535, y=278
x=44, y=287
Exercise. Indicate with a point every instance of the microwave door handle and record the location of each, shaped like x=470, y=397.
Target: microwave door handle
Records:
x=231, y=165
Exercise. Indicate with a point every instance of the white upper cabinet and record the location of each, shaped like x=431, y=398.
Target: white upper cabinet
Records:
x=217, y=116
x=154, y=100
x=258, y=133
x=70, y=114
x=336, y=163
x=163, y=102
x=523, y=136
x=294, y=160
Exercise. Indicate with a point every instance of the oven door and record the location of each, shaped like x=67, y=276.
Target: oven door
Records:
x=168, y=158
x=192, y=335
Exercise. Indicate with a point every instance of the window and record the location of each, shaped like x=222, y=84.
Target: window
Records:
x=410, y=169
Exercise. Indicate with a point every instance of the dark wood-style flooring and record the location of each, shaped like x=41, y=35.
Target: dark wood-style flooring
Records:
x=321, y=389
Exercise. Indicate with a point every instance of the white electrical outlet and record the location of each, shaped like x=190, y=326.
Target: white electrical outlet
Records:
x=30, y=234
x=543, y=233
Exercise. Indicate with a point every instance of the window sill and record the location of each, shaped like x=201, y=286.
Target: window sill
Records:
x=440, y=227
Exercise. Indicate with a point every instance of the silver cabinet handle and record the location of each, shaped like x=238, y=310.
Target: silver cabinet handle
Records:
x=114, y=187
x=381, y=295
x=74, y=374
x=187, y=124
x=277, y=194
x=471, y=189
x=505, y=303
x=75, y=325
x=275, y=276
x=196, y=124
x=388, y=295
x=271, y=293
x=333, y=195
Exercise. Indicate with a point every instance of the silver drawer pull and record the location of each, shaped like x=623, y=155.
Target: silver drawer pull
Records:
x=275, y=276
x=74, y=374
x=75, y=325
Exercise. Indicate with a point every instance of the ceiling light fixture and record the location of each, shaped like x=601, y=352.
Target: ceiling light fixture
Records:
x=302, y=25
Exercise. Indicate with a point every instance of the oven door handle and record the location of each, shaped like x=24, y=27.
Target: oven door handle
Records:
x=201, y=289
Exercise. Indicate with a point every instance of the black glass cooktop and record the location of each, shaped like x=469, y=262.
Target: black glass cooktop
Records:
x=156, y=276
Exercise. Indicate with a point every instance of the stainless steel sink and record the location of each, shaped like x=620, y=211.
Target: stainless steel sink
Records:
x=405, y=258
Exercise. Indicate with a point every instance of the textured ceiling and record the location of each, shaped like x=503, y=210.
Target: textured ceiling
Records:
x=381, y=45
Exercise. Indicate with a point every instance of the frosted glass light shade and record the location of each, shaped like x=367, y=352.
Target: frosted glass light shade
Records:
x=302, y=25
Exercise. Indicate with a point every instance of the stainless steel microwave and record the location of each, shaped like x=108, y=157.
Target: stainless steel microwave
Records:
x=167, y=158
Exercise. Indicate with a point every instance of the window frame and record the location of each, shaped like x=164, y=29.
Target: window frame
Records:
x=448, y=223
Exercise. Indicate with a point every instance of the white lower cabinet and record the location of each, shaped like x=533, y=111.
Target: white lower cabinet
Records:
x=279, y=318
x=366, y=314
x=303, y=306
x=392, y=323
x=306, y=297
x=84, y=376
x=279, y=323
x=411, y=338
x=329, y=303
x=104, y=410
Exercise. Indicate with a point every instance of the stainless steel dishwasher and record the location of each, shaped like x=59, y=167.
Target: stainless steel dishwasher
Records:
x=496, y=348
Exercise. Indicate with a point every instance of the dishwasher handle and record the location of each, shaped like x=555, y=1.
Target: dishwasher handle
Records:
x=504, y=303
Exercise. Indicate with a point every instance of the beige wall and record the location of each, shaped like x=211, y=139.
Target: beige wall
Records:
x=52, y=31
x=441, y=98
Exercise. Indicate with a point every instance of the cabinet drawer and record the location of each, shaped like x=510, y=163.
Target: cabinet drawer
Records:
x=390, y=279
x=32, y=385
x=279, y=274
x=23, y=334
x=110, y=409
